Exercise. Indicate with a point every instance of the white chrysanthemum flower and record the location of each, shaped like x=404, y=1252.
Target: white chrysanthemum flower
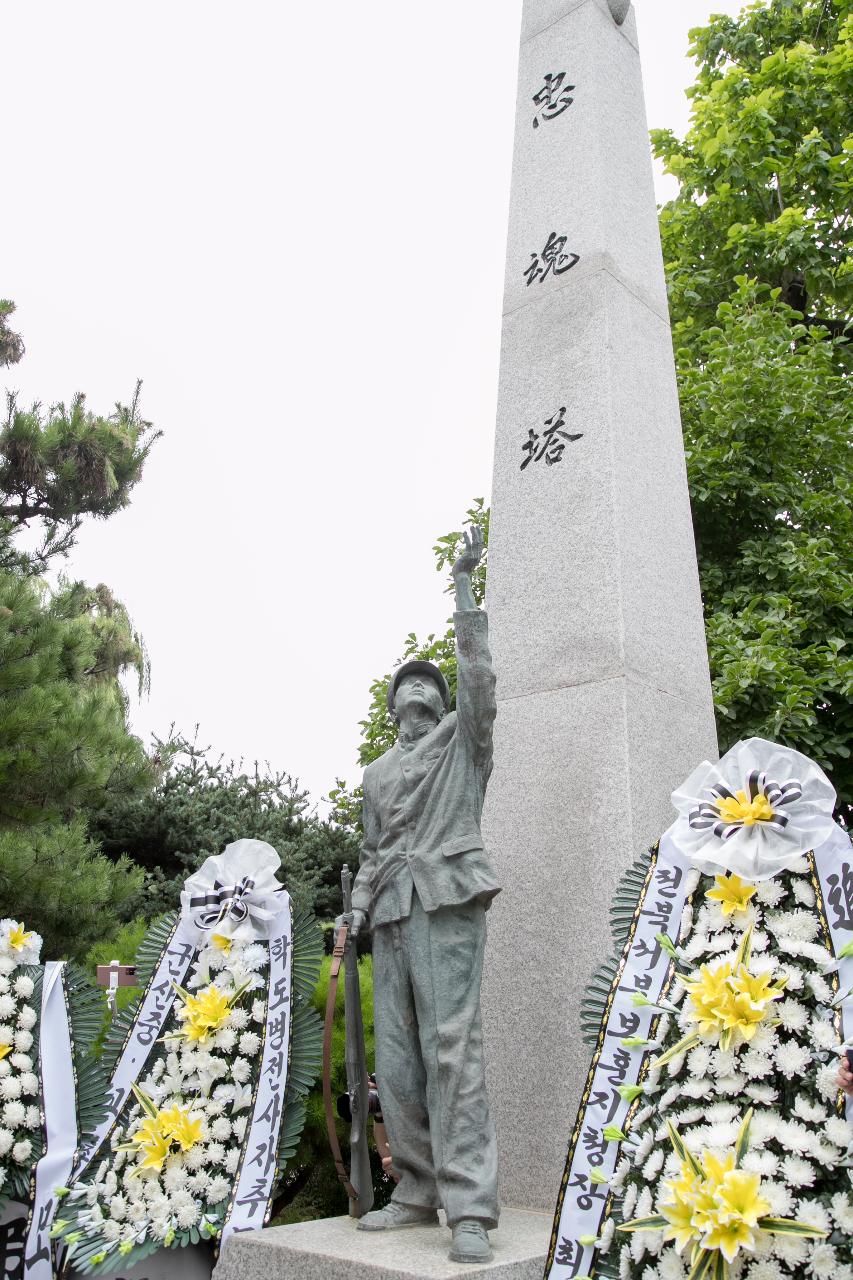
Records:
x=4, y=984
x=7, y=1006
x=254, y=957
x=647, y=1141
x=826, y=1081
x=239, y=1127
x=225, y=1039
x=794, y=975
x=699, y=1060
x=798, y=1172
x=763, y=1127
x=808, y=1110
x=671, y=1266
x=188, y=1215
x=770, y=893
x=111, y=1231
x=174, y=1177
x=22, y=1151
x=196, y=1157
x=819, y=988
x=823, y=1034
x=823, y=1261
x=259, y=1011
x=160, y=1227
x=220, y=1129
x=803, y=892
x=6, y=1140
x=792, y=1059
x=24, y=1041
x=731, y=1085
x=21, y=1061
x=778, y=1197
x=766, y=1268
x=765, y=1039
x=762, y=1093
x=842, y=1212
x=838, y=1131
x=250, y=1043
x=813, y=1212
x=696, y=946
x=238, y=1018
x=757, y=1066
x=763, y=1162
x=654, y=1164
x=14, y=1114
x=241, y=1070
x=825, y=1153
x=630, y=1202
x=232, y=1159
x=10, y=1087
x=722, y=1062
x=792, y=1015
x=29, y=1083
x=27, y=1019
x=216, y=1152
x=695, y=1088
x=23, y=986
x=218, y=1189
x=7, y=1033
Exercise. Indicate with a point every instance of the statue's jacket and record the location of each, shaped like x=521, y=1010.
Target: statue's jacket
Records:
x=422, y=805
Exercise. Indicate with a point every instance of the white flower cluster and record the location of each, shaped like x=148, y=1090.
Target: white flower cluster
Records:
x=800, y=1143
x=168, y=1190
x=20, y=1114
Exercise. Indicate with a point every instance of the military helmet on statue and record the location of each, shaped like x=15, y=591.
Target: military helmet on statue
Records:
x=419, y=667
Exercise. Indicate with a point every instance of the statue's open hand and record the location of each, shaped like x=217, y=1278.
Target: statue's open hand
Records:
x=471, y=553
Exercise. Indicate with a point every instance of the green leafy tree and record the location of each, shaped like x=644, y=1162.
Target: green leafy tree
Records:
x=766, y=168
x=200, y=804
x=64, y=747
x=59, y=465
x=11, y=345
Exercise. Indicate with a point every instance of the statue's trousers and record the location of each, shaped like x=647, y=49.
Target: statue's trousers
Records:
x=429, y=1060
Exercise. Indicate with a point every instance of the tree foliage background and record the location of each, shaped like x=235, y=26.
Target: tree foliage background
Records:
x=757, y=252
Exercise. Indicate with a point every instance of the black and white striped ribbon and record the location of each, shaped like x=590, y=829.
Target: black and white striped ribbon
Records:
x=778, y=794
x=211, y=909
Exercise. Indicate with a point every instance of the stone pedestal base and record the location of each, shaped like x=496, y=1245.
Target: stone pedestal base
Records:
x=333, y=1249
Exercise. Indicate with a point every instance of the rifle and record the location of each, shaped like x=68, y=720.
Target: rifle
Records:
x=358, y=1183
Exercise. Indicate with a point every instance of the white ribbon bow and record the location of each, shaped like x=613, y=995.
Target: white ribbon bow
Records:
x=234, y=894
x=754, y=813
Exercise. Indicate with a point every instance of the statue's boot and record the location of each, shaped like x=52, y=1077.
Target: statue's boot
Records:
x=470, y=1242
x=396, y=1215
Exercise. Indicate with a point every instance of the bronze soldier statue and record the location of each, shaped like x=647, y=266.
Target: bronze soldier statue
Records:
x=424, y=885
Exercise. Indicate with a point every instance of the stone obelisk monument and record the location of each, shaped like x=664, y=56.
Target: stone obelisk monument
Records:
x=596, y=628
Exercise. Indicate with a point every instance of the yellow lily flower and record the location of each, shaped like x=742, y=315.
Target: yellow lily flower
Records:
x=18, y=937
x=222, y=942
x=176, y=1125
x=4, y=1049
x=729, y=1237
x=204, y=1013
x=732, y=893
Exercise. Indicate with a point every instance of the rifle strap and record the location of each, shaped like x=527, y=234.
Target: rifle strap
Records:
x=337, y=958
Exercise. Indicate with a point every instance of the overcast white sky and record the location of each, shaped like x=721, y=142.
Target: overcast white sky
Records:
x=289, y=220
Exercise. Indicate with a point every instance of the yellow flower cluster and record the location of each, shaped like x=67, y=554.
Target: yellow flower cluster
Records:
x=160, y=1132
x=204, y=1013
x=717, y=1208
x=730, y=999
